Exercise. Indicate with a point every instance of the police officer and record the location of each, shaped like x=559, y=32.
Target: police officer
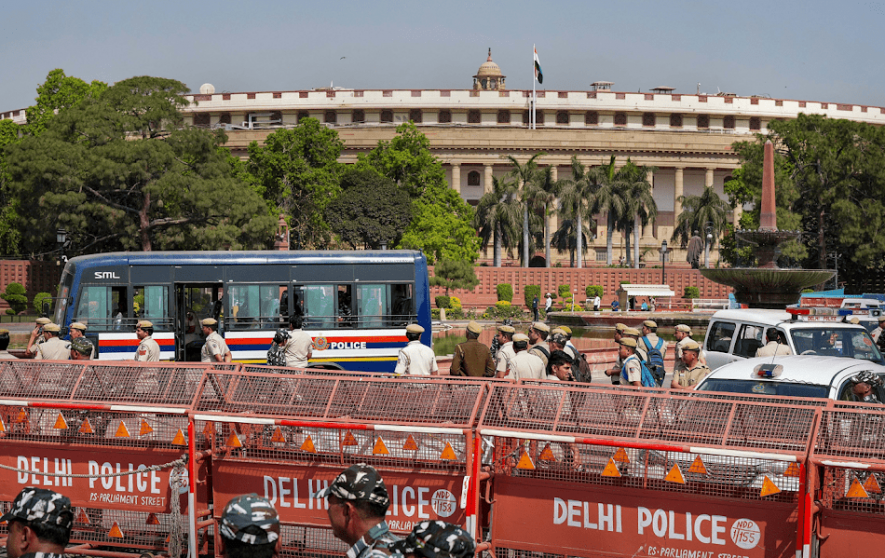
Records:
x=525, y=365
x=4, y=345
x=505, y=352
x=215, y=349
x=865, y=387
x=36, y=337
x=53, y=348
x=357, y=506
x=78, y=330
x=148, y=349
x=416, y=359
x=631, y=372
x=615, y=371
x=250, y=528
x=472, y=358
x=40, y=522
x=82, y=349
x=538, y=341
x=683, y=336
x=693, y=371
x=876, y=333
x=436, y=539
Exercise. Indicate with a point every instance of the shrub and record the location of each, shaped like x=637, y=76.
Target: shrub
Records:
x=15, y=296
x=692, y=292
x=565, y=290
x=530, y=292
x=454, y=303
x=505, y=292
x=38, y=302
x=503, y=309
x=442, y=301
x=503, y=305
x=434, y=313
x=594, y=290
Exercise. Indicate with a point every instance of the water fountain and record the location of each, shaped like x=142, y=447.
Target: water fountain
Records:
x=767, y=286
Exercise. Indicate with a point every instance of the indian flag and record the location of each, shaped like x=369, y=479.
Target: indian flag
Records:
x=539, y=75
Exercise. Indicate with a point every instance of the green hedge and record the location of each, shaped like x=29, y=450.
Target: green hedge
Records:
x=594, y=290
x=442, y=301
x=505, y=292
x=530, y=292
x=565, y=291
x=692, y=292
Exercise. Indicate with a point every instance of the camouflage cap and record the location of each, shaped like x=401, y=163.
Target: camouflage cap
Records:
x=82, y=345
x=435, y=539
x=280, y=336
x=559, y=339
x=867, y=377
x=250, y=510
x=40, y=505
x=358, y=482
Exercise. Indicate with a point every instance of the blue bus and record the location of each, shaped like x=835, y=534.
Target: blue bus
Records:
x=355, y=304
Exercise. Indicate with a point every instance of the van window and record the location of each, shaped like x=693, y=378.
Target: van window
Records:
x=759, y=387
x=748, y=341
x=720, y=337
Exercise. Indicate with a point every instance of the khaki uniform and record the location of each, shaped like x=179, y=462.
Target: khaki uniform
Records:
x=534, y=350
x=875, y=334
x=416, y=359
x=773, y=348
x=54, y=349
x=472, y=358
x=702, y=357
x=691, y=378
x=632, y=370
x=526, y=366
x=504, y=356
x=653, y=341
x=215, y=345
x=148, y=350
x=4, y=355
x=297, y=348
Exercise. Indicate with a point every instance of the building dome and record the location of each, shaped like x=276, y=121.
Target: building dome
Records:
x=207, y=89
x=489, y=76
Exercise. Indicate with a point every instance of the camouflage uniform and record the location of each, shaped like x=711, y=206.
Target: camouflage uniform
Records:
x=436, y=539
x=250, y=510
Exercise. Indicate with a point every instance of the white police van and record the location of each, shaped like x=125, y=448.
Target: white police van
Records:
x=737, y=334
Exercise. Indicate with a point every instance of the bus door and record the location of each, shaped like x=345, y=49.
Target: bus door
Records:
x=194, y=302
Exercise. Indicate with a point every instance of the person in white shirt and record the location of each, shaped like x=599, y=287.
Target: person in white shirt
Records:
x=416, y=358
x=299, y=348
x=525, y=365
x=505, y=352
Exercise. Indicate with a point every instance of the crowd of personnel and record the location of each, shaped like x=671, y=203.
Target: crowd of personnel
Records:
x=40, y=523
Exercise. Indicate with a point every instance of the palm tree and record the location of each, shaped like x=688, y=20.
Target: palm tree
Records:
x=699, y=211
x=525, y=175
x=641, y=206
x=609, y=200
x=578, y=198
x=546, y=193
x=497, y=217
x=566, y=238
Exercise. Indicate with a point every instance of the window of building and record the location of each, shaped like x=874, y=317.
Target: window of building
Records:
x=539, y=117
x=445, y=116
x=473, y=117
x=386, y=116
x=620, y=119
x=276, y=117
x=473, y=178
x=591, y=118
x=562, y=117
x=358, y=116
x=676, y=121
x=224, y=118
x=728, y=122
x=703, y=121
x=415, y=116
x=648, y=119
x=302, y=114
x=526, y=117
x=601, y=255
x=755, y=123
x=503, y=117
x=331, y=117
x=201, y=119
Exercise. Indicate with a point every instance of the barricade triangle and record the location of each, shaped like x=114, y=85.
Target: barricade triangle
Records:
x=621, y=456
x=122, y=432
x=525, y=462
x=380, y=447
x=793, y=470
x=152, y=519
x=22, y=416
x=277, y=436
x=857, y=490
x=86, y=427
x=115, y=532
x=179, y=439
x=448, y=453
x=611, y=470
x=233, y=441
x=349, y=439
x=209, y=429
x=697, y=466
x=2, y=426
x=410, y=444
x=145, y=428
x=675, y=475
x=60, y=423
x=82, y=518
x=872, y=485
x=308, y=446
x=547, y=454
x=768, y=487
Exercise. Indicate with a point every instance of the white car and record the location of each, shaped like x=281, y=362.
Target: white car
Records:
x=792, y=376
x=734, y=335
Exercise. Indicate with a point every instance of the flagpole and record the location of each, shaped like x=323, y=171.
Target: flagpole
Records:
x=534, y=100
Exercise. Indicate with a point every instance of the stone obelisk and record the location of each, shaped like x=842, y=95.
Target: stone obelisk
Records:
x=768, y=214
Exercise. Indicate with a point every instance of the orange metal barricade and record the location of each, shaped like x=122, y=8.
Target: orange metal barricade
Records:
x=601, y=472
x=285, y=437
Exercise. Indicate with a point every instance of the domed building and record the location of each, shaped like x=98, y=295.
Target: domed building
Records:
x=489, y=76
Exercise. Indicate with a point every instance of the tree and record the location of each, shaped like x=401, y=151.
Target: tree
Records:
x=525, y=176
x=640, y=205
x=41, y=299
x=699, y=212
x=371, y=210
x=566, y=238
x=454, y=274
x=10, y=230
x=548, y=191
x=16, y=297
x=120, y=173
x=610, y=200
x=497, y=217
x=406, y=159
x=578, y=197
x=297, y=171
x=57, y=93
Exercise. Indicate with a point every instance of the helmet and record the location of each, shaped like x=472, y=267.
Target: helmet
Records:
x=280, y=336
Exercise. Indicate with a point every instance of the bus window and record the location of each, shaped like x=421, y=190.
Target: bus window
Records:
x=151, y=303
x=372, y=303
x=402, y=311
x=102, y=308
x=319, y=306
x=256, y=306
x=346, y=318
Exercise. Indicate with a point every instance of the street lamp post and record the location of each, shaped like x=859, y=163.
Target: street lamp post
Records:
x=61, y=237
x=709, y=242
x=663, y=262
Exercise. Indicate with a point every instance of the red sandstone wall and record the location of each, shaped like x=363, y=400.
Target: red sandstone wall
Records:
x=35, y=276
x=549, y=279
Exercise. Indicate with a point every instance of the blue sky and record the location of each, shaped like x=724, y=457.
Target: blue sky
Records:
x=810, y=50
